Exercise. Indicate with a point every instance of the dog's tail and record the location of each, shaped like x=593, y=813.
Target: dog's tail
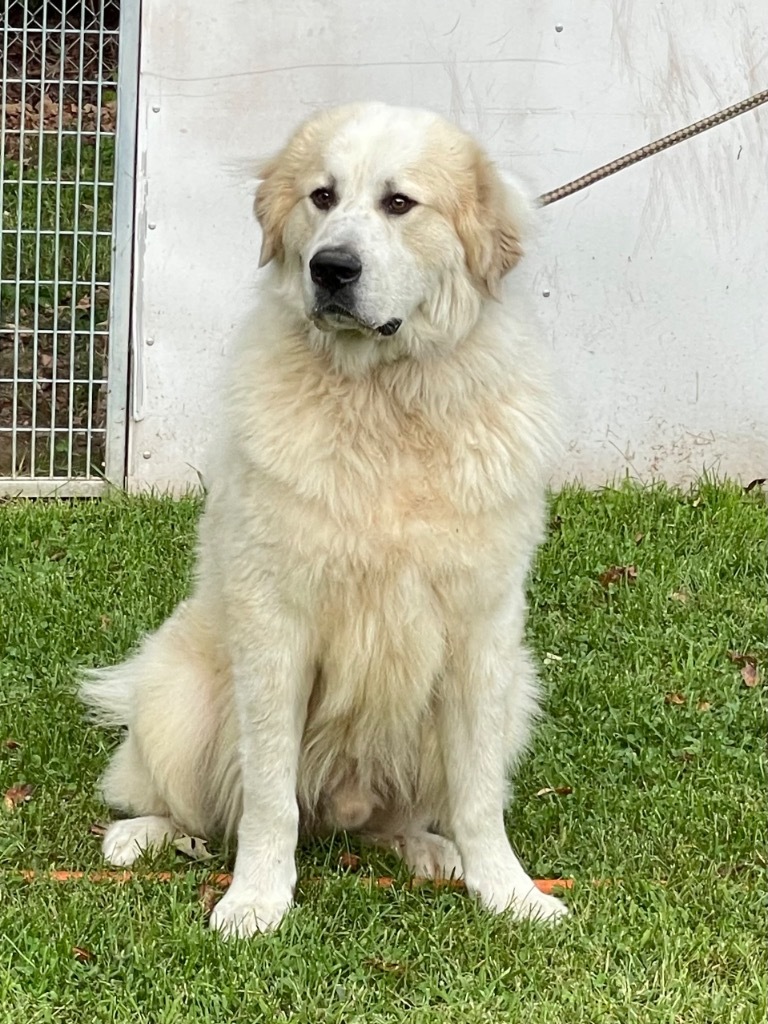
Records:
x=108, y=694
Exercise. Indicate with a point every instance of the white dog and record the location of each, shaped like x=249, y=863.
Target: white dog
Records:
x=352, y=654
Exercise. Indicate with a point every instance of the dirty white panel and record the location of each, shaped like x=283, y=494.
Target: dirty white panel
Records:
x=653, y=286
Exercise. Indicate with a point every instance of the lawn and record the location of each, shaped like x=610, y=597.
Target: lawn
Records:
x=653, y=743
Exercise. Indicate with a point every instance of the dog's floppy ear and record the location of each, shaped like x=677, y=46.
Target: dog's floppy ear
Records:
x=278, y=192
x=491, y=222
x=273, y=202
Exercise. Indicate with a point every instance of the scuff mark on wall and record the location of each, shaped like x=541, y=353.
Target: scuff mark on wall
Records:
x=669, y=87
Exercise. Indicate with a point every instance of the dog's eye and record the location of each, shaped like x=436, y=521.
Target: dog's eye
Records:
x=323, y=198
x=398, y=204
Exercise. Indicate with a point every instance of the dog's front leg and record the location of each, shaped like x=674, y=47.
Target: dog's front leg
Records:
x=272, y=680
x=471, y=725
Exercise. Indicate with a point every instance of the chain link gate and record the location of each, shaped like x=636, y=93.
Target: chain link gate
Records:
x=66, y=195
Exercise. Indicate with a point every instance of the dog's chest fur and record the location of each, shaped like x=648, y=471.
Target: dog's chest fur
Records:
x=355, y=473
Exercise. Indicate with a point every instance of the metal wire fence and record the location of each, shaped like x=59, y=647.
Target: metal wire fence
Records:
x=58, y=62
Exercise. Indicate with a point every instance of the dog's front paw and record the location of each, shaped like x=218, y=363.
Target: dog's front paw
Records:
x=523, y=901
x=538, y=906
x=240, y=914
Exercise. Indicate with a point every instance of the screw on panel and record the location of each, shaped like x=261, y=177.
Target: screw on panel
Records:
x=155, y=110
x=546, y=293
x=558, y=28
x=146, y=455
x=152, y=226
x=150, y=341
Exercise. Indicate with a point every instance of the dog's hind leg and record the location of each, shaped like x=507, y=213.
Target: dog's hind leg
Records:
x=127, y=785
x=175, y=767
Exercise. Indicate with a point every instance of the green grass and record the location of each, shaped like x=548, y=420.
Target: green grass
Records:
x=668, y=800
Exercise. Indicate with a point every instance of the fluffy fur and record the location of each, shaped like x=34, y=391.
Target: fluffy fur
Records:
x=351, y=655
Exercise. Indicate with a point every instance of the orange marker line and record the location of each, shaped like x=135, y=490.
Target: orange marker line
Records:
x=546, y=885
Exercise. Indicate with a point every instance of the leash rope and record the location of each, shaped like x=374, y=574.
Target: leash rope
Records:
x=652, y=148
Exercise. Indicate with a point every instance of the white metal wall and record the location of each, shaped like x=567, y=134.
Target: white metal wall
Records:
x=653, y=286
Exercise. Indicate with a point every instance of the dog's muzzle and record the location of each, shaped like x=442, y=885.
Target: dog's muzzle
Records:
x=334, y=272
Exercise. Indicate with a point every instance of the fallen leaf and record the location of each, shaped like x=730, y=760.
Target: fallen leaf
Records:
x=681, y=596
x=192, y=847
x=749, y=674
x=748, y=663
x=728, y=870
x=557, y=790
x=704, y=705
x=209, y=896
x=758, y=482
x=390, y=966
x=83, y=956
x=349, y=861
x=21, y=793
x=617, y=573
x=741, y=659
x=674, y=698
x=12, y=744
x=549, y=656
x=98, y=829
x=106, y=621
x=639, y=537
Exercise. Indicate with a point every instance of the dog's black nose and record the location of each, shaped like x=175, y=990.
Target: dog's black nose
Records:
x=333, y=268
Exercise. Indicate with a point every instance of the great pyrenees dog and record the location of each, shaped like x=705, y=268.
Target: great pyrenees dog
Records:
x=352, y=655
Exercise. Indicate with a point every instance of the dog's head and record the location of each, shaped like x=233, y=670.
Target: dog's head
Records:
x=387, y=223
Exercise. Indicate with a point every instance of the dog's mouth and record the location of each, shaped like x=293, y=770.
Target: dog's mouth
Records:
x=334, y=315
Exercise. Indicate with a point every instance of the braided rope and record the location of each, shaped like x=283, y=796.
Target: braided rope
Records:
x=652, y=148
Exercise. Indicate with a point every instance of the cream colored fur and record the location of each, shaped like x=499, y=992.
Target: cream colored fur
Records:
x=352, y=655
